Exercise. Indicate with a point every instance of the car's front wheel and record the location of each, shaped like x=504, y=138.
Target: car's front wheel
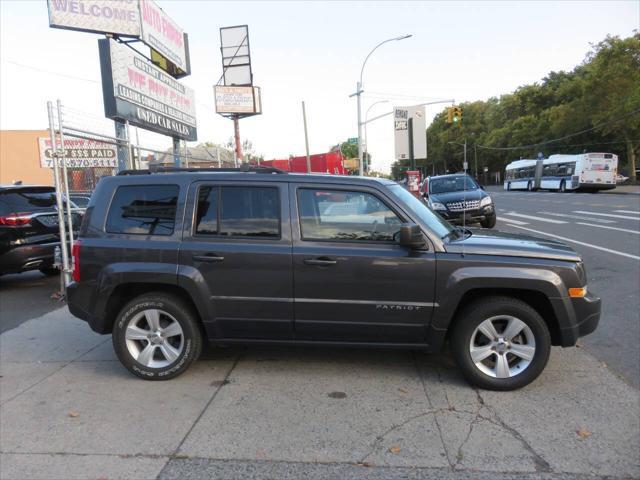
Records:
x=500, y=343
x=489, y=221
x=156, y=336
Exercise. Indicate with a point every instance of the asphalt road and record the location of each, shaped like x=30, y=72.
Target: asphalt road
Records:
x=25, y=296
x=605, y=230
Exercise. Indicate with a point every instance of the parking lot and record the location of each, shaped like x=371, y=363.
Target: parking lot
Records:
x=70, y=410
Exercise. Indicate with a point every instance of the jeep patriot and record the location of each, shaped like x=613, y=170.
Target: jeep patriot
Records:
x=168, y=260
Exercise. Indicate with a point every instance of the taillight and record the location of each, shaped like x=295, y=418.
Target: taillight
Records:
x=16, y=220
x=75, y=253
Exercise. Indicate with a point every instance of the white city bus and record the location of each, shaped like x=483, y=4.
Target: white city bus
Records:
x=587, y=171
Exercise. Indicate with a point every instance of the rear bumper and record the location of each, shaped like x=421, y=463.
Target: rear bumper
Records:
x=27, y=257
x=79, y=301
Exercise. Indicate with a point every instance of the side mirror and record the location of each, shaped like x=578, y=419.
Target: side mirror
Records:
x=411, y=236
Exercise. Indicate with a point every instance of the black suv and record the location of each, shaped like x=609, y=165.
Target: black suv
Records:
x=29, y=228
x=459, y=199
x=166, y=260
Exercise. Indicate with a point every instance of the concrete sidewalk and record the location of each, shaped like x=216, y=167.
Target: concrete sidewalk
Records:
x=69, y=410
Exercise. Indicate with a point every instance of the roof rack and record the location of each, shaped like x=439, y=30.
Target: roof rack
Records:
x=244, y=168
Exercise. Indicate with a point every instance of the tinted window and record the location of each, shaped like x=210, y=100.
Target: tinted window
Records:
x=27, y=200
x=143, y=210
x=452, y=184
x=207, y=212
x=238, y=211
x=342, y=215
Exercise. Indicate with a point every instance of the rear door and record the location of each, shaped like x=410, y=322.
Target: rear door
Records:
x=353, y=282
x=238, y=238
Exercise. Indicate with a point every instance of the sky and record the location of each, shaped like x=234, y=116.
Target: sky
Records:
x=313, y=52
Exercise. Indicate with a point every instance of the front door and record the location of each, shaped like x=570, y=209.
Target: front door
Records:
x=238, y=242
x=353, y=282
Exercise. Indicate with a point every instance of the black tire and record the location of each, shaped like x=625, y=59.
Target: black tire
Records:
x=479, y=311
x=563, y=187
x=181, y=313
x=489, y=222
x=50, y=271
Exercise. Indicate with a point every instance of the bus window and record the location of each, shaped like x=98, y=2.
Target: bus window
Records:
x=562, y=169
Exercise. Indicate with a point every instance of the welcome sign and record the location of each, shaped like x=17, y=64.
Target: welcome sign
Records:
x=118, y=17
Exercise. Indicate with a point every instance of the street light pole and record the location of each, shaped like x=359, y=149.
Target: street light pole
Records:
x=359, y=103
x=366, y=116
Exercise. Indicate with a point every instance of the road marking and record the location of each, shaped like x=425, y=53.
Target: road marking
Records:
x=615, y=252
x=531, y=217
x=578, y=217
x=607, y=215
x=637, y=232
x=511, y=220
x=627, y=211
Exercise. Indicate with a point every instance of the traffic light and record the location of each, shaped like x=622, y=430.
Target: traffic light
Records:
x=456, y=115
x=449, y=114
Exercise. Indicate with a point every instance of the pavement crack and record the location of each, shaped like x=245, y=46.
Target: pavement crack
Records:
x=540, y=464
x=380, y=438
x=223, y=382
x=435, y=417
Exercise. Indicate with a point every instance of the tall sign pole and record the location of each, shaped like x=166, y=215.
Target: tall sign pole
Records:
x=236, y=135
x=177, y=161
x=121, y=135
x=236, y=97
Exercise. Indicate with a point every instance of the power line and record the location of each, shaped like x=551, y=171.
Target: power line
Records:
x=42, y=70
x=524, y=147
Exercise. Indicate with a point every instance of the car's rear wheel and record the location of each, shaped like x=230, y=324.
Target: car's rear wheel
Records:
x=156, y=336
x=500, y=343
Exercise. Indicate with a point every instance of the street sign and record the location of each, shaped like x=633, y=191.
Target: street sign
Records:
x=353, y=141
x=401, y=116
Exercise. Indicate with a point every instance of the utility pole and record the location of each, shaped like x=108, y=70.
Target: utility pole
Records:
x=465, y=165
x=306, y=136
x=475, y=158
x=412, y=160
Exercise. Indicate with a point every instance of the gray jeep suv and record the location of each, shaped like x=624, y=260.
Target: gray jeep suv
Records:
x=168, y=260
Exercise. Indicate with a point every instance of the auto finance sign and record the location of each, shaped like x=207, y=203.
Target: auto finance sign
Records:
x=136, y=90
x=163, y=34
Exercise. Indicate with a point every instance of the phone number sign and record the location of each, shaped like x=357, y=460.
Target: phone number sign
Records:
x=80, y=153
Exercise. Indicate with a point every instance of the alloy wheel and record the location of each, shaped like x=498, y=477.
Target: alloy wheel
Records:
x=502, y=346
x=154, y=338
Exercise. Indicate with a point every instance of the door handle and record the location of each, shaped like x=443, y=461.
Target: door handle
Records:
x=208, y=258
x=323, y=262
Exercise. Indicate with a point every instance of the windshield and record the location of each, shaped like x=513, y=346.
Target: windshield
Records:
x=452, y=184
x=436, y=224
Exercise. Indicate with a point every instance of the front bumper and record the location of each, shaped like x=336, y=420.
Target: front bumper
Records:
x=468, y=216
x=587, y=317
